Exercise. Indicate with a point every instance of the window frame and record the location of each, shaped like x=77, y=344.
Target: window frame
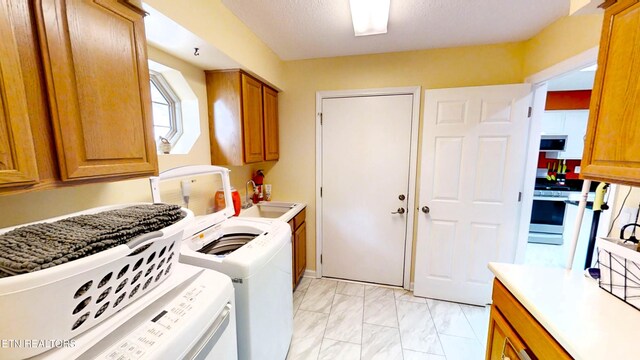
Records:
x=176, y=128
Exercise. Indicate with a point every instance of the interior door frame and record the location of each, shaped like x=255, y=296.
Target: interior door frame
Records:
x=413, y=164
x=539, y=85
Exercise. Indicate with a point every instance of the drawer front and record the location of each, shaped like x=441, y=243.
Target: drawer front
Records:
x=538, y=340
x=299, y=219
x=504, y=343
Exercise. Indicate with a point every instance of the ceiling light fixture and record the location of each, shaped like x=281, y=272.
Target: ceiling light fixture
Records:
x=370, y=17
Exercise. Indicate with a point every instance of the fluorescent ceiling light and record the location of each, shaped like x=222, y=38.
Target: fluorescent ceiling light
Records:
x=370, y=17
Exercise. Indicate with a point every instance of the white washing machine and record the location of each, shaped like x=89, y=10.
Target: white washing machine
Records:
x=188, y=316
x=256, y=254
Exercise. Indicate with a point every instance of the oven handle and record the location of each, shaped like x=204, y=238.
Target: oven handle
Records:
x=550, y=198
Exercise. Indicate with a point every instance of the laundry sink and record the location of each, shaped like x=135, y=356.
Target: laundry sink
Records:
x=281, y=210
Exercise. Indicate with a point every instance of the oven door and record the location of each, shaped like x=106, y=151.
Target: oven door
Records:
x=547, y=215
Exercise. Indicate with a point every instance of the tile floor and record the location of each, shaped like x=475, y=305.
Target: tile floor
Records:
x=343, y=321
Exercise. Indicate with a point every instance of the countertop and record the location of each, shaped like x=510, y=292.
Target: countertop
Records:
x=587, y=321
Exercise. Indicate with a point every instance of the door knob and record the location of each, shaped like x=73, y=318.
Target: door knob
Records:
x=425, y=209
x=401, y=197
x=400, y=211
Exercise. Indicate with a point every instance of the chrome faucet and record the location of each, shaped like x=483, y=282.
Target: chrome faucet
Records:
x=248, y=202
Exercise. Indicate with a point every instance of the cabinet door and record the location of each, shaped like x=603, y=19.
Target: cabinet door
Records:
x=17, y=155
x=270, y=112
x=503, y=342
x=553, y=123
x=575, y=126
x=252, y=119
x=301, y=249
x=94, y=55
x=612, y=148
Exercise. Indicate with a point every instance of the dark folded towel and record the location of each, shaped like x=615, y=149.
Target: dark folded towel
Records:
x=40, y=246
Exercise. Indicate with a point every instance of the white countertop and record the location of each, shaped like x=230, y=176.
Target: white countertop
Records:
x=586, y=320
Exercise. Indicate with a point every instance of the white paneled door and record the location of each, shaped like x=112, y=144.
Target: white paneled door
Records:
x=473, y=152
x=366, y=147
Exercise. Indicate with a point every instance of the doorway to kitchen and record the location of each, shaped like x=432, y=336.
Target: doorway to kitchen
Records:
x=366, y=171
x=552, y=185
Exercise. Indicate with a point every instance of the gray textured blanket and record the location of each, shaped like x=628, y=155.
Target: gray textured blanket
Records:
x=40, y=246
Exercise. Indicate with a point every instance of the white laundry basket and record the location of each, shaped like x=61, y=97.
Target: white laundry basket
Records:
x=619, y=271
x=47, y=308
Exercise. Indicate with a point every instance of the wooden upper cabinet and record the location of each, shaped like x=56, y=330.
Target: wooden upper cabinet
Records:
x=612, y=147
x=95, y=65
x=252, y=119
x=270, y=113
x=241, y=117
x=17, y=152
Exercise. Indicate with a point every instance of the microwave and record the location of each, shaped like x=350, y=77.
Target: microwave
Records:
x=553, y=143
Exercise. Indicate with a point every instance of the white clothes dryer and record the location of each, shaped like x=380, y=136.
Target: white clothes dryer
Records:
x=188, y=316
x=256, y=254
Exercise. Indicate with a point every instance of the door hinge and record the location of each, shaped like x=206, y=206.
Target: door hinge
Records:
x=320, y=114
x=320, y=191
x=530, y=111
x=320, y=258
x=520, y=196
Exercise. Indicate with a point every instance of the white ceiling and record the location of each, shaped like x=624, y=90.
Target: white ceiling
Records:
x=302, y=29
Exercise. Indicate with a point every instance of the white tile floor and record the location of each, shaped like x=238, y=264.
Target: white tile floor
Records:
x=342, y=320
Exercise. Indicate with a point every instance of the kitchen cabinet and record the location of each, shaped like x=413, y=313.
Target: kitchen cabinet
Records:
x=243, y=118
x=95, y=64
x=299, y=246
x=612, y=148
x=68, y=107
x=17, y=152
x=513, y=330
x=570, y=123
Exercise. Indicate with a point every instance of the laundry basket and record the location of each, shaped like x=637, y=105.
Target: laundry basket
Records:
x=619, y=271
x=46, y=308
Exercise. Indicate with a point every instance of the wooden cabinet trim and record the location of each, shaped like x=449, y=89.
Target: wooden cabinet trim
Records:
x=18, y=164
x=301, y=251
x=299, y=218
x=534, y=335
x=271, y=130
x=252, y=119
x=499, y=329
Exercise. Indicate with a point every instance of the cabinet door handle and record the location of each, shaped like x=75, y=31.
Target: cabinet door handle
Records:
x=400, y=211
x=522, y=354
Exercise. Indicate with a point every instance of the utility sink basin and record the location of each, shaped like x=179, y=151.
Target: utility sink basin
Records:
x=281, y=210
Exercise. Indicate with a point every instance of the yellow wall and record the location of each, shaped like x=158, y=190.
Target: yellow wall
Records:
x=214, y=23
x=561, y=40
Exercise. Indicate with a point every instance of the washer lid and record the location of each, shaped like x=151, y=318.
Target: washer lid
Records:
x=205, y=221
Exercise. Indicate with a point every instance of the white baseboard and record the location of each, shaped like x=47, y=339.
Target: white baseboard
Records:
x=310, y=274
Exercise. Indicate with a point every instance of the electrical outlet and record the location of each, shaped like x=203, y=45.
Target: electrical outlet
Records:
x=576, y=170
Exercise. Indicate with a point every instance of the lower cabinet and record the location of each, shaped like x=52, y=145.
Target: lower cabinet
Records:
x=299, y=246
x=515, y=334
